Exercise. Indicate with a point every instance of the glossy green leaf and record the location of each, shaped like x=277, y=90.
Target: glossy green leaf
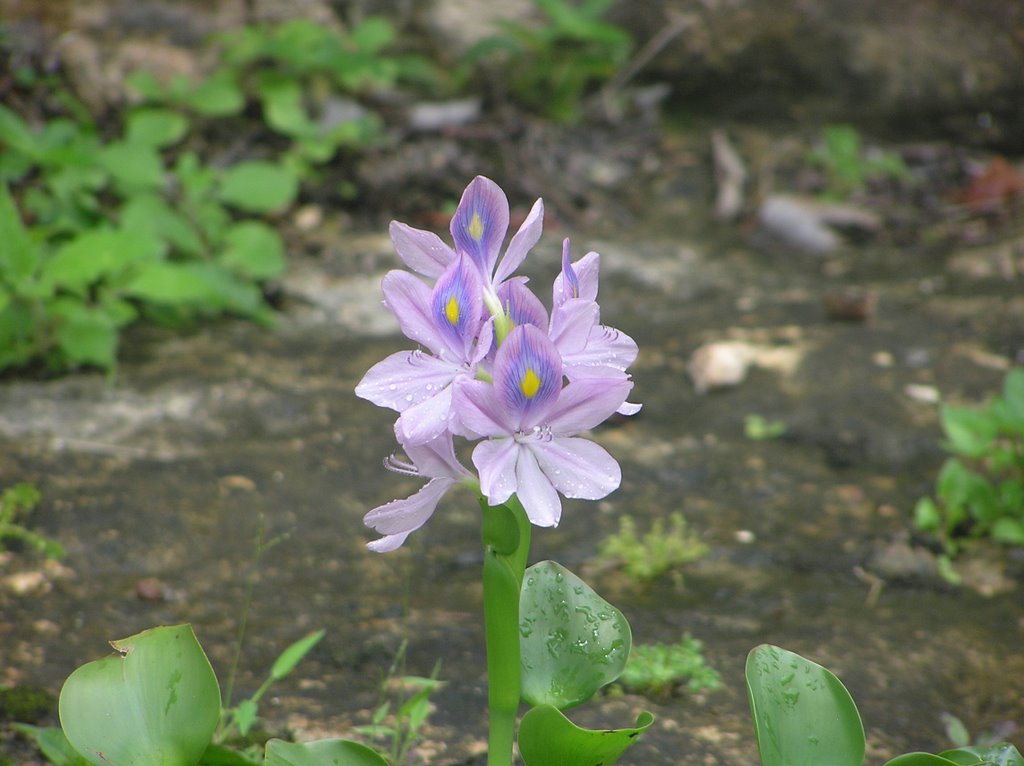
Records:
x=920, y=759
x=1001, y=754
x=254, y=250
x=155, y=127
x=803, y=715
x=499, y=529
x=257, y=186
x=293, y=655
x=548, y=738
x=324, y=752
x=572, y=641
x=154, y=703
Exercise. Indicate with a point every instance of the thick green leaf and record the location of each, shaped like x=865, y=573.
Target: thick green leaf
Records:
x=172, y=283
x=293, y=655
x=920, y=759
x=245, y=715
x=1001, y=754
x=803, y=715
x=548, y=738
x=155, y=127
x=99, y=254
x=324, y=752
x=154, y=703
x=254, y=250
x=18, y=254
x=258, y=187
x=218, y=755
x=283, y=105
x=572, y=641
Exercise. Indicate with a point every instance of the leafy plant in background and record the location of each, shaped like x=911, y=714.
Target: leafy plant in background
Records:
x=759, y=428
x=306, y=77
x=848, y=165
x=657, y=669
x=657, y=551
x=118, y=234
x=980, y=488
x=549, y=67
x=16, y=503
x=404, y=708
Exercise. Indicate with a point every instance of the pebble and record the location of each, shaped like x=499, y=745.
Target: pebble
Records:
x=720, y=365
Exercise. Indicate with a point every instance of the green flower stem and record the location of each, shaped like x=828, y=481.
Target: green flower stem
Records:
x=506, y=538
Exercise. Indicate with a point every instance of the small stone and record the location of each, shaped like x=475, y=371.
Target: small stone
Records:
x=849, y=304
x=150, y=589
x=920, y=392
x=720, y=365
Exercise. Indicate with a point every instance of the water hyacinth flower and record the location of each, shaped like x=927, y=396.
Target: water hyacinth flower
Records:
x=493, y=365
x=449, y=321
x=533, y=421
x=478, y=230
x=398, y=519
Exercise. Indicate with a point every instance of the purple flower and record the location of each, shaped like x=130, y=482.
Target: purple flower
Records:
x=532, y=422
x=396, y=520
x=449, y=321
x=588, y=348
x=478, y=229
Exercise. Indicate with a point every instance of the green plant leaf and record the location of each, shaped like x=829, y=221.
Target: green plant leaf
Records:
x=254, y=250
x=1013, y=392
x=803, y=715
x=155, y=127
x=16, y=134
x=217, y=96
x=96, y=255
x=154, y=702
x=134, y=167
x=257, y=186
x=53, y=744
x=85, y=335
x=218, y=755
x=920, y=759
x=969, y=431
x=151, y=214
x=19, y=254
x=245, y=715
x=548, y=738
x=1001, y=754
x=324, y=752
x=293, y=655
x=572, y=641
x=283, y=106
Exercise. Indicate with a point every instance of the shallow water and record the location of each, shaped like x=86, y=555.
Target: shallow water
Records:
x=208, y=443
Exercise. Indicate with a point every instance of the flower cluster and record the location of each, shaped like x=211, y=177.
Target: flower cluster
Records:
x=494, y=366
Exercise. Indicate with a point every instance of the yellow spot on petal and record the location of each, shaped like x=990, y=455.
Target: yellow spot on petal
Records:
x=451, y=310
x=530, y=384
x=476, y=227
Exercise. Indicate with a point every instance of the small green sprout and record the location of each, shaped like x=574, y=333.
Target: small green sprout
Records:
x=658, y=551
x=658, y=669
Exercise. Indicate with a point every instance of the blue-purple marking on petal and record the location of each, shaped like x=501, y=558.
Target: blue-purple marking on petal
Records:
x=528, y=374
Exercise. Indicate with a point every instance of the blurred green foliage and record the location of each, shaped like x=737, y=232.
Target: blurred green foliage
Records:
x=661, y=549
x=848, y=165
x=16, y=502
x=657, y=669
x=550, y=67
x=979, y=492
